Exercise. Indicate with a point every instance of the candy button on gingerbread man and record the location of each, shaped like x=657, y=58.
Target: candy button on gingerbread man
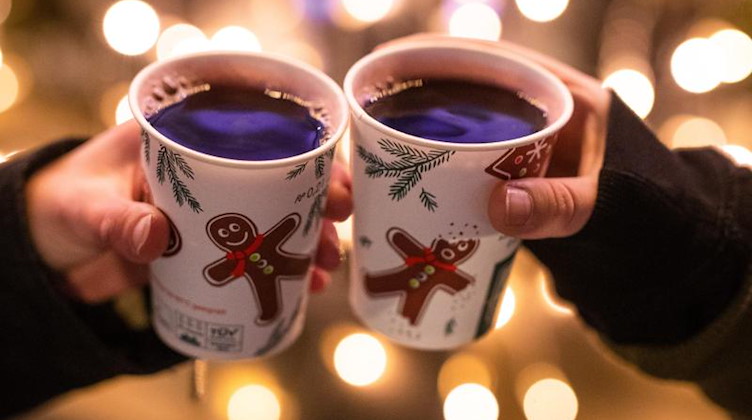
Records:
x=258, y=257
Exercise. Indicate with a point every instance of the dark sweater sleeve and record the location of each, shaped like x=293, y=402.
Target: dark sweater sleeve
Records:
x=662, y=269
x=51, y=344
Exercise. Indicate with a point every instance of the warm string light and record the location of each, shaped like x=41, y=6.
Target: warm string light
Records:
x=253, y=402
x=736, y=51
x=550, y=399
x=235, y=38
x=698, y=132
x=9, y=87
x=634, y=88
x=360, y=359
x=168, y=44
x=131, y=27
x=696, y=65
x=475, y=20
x=542, y=10
x=471, y=401
x=368, y=11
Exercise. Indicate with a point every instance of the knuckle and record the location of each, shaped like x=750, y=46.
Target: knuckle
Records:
x=563, y=204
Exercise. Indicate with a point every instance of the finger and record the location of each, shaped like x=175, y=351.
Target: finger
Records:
x=320, y=279
x=328, y=253
x=538, y=208
x=339, y=203
x=136, y=231
x=104, y=278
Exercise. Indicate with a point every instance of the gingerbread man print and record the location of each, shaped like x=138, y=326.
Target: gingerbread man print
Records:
x=425, y=271
x=257, y=257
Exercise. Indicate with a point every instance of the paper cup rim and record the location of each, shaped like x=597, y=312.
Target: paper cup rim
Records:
x=334, y=138
x=497, y=50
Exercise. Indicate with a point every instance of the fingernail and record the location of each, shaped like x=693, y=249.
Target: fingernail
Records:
x=519, y=206
x=141, y=232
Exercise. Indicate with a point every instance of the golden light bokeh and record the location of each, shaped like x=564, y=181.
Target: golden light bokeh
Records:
x=634, y=88
x=542, y=10
x=698, y=132
x=173, y=36
x=254, y=402
x=9, y=87
x=235, y=38
x=463, y=368
x=696, y=65
x=368, y=10
x=471, y=401
x=131, y=27
x=475, y=20
x=736, y=51
x=550, y=399
x=360, y=359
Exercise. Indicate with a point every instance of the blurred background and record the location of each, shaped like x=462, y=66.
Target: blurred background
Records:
x=682, y=65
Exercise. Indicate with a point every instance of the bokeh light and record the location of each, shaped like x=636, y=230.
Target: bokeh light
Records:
x=471, y=401
x=174, y=36
x=634, y=88
x=131, y=27
x=542, y=10
x=475, y=20
x=368, y=10
x=550, y=399
x=698, y=132
x=508, y=304
x=123, y=111
x=463, y=368
x=360, y=359
x=253, y=402
x=697, y=65
x=739, y=154
x=736, y=51
x=302, y=51
x=235, y=38
x=9, y=87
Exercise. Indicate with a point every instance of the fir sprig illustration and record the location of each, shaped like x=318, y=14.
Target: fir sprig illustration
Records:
x=169, y=165
x=147, y=146
x=320, y=166
x=428, y=200
x=408, y=167
x=297, y=170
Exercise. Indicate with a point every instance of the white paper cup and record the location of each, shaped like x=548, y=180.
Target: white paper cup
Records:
x=428, y=268
x=234, y=281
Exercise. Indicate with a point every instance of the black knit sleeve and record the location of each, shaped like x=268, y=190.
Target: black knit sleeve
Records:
x=663, y=269
x=50, y=344
x=668, y=244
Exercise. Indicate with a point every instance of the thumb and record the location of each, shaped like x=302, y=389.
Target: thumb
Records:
x=536, y=208
x=136, y=231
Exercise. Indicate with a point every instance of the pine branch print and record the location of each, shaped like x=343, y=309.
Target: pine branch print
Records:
x=320, y=166
x=408, y=167
x=428, y=200
x=169, y=166
x=147, y=146
x=296, y=171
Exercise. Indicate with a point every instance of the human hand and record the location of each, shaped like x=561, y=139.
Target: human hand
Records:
x=561, y=204
x=88, y=218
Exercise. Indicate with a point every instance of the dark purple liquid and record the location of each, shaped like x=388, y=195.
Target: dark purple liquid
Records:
x=240, y=123
x=457, y=112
